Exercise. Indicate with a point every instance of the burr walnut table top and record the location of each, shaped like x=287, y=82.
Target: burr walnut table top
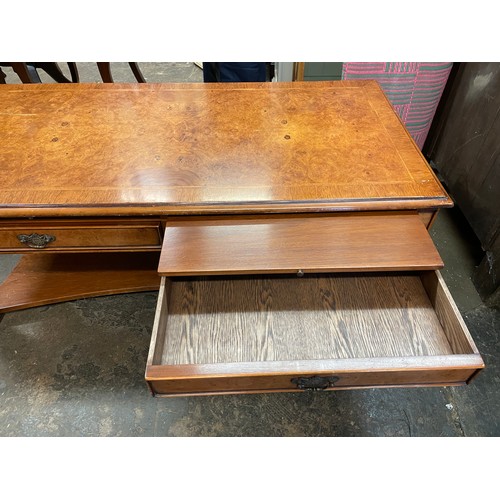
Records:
x=145, y=149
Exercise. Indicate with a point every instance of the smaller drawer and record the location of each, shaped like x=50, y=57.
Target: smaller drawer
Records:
x=249, y=334
x=46, y=236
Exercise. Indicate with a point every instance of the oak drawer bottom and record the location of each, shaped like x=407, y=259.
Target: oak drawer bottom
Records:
x=318, y=332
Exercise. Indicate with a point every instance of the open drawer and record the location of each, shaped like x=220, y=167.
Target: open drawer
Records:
x=265, y=331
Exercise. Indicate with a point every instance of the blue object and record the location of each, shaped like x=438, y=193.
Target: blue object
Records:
x=234, y=71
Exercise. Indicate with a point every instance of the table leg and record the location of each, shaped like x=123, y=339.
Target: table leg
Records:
x=105, y=71
x=26, y=73
x=137, y=72
x=53, y=70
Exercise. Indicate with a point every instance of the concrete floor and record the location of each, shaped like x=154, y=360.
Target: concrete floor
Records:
x=77, y=368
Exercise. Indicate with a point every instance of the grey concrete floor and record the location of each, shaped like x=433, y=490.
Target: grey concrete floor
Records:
x=77, y=368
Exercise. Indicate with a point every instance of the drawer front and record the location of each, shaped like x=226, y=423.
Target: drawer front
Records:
x=327, y=332
x=50, y=238
x=288, y=377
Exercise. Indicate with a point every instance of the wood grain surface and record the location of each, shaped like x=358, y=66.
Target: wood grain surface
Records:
x=139, y=237
x=454, y=326
x=317, y=317
x=40, y=279
x=340, y=242
x=142, y=149
x=277, y=376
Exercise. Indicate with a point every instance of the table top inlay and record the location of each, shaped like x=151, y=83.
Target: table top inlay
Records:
x=87, y=149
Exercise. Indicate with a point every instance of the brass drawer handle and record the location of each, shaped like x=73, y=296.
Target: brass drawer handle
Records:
x=315, y=383
x=35, y=240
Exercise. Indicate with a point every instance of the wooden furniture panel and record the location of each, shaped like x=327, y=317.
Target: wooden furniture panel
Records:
x=284, y=244
x=258, y=334
x=427, y=217
x=77, y=236
x=41, y=279
x=143, y=149
x=207, y=380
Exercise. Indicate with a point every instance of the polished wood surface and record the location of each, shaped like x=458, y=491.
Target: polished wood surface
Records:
x=288, y=244
x=84, y=235
x=276, y=376
x=241, y=335
x=41, y=279
x=141, y=149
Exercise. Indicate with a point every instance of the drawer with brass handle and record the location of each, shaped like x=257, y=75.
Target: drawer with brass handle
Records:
x=47, y=236
x=35, y=240
x=304, y=304
x=321, y=332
